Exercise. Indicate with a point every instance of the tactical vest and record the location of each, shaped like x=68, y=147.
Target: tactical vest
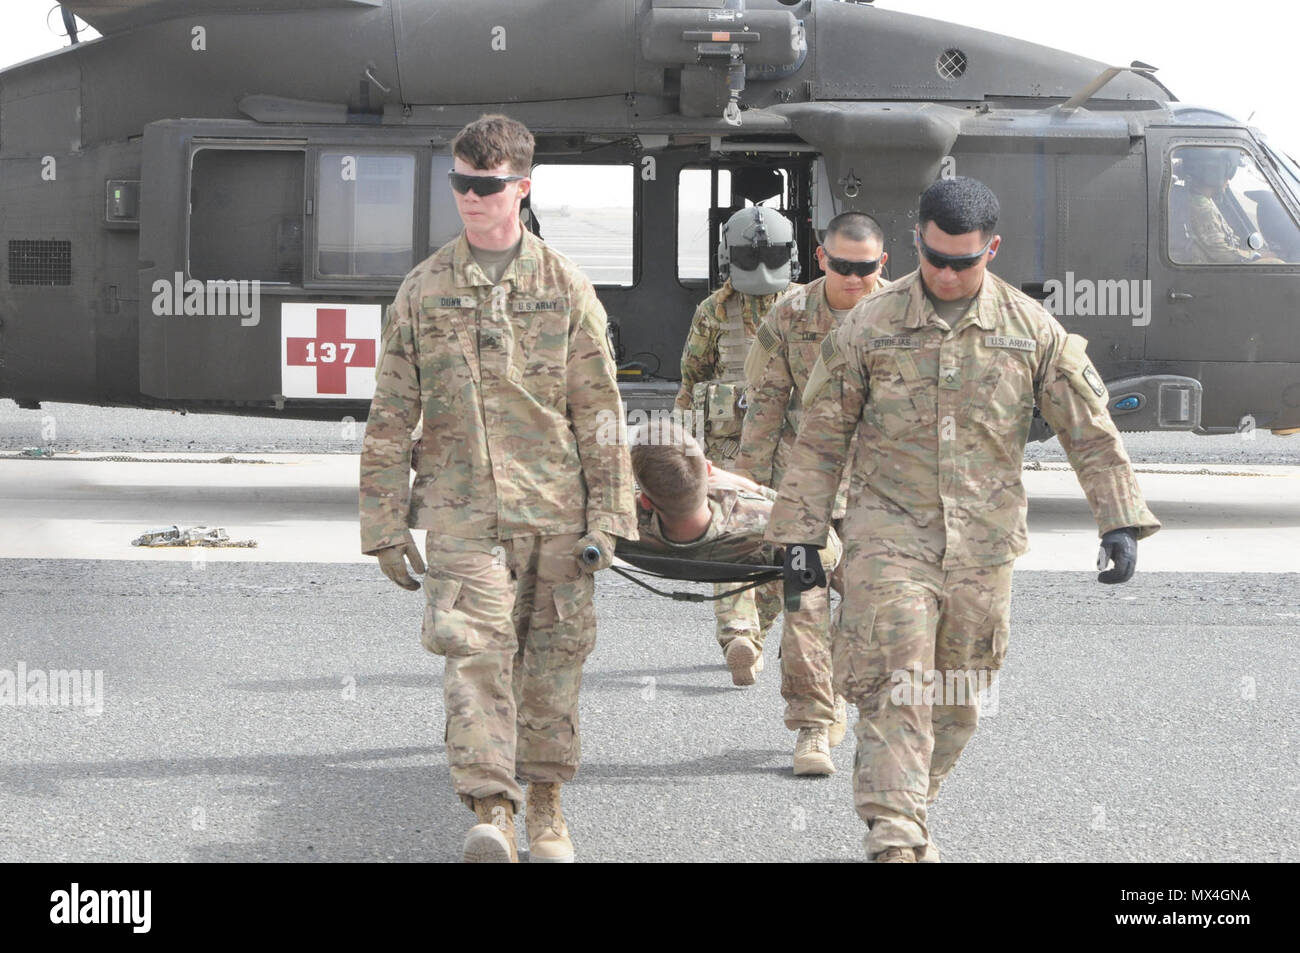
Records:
x=721, y=399
x=733, y=342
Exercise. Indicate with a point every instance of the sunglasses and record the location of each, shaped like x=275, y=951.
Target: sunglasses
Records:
x=846, y=266
x=955, y=262
x=480, y=184
x=749, y=257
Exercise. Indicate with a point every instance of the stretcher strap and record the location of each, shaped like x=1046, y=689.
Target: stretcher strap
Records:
x=693, y=596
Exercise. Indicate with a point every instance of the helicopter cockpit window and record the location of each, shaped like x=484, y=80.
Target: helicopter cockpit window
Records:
x=1224, y=211
x=586, y=212
x=1285, y=166
x=366, y=215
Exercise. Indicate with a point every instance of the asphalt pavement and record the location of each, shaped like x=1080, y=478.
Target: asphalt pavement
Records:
x=276, y=712
x=257, y=710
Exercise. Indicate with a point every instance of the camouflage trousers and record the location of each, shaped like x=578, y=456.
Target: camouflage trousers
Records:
x=805, y=644
x=805, y=647
x=515, y=621
x=752, y=612
x=912, y=647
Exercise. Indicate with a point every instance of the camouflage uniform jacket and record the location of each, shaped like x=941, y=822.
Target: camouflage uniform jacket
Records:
x=713, y=351
x=1212, y=240
x=785, y=349
x=511, y=380
x=735, y=533
x=942, y=415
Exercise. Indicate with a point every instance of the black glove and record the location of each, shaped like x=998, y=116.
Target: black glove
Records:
x=1121, y=547
x=803, y=567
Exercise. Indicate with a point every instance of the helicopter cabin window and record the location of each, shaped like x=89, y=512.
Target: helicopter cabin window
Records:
x=1224, y=211
x=246, y=215
x=700, y=213
x=586, y=212
x=366, y=217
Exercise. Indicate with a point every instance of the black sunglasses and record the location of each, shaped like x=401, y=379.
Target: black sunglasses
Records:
x=847, y=266
x=480, y=184
x=955, y=262
x=748, y=257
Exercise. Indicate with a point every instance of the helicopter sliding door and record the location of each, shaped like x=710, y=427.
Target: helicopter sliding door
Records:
x=270, y=256
x=221, y=223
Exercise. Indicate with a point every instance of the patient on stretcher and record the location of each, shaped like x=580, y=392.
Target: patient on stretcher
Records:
x=690, y=509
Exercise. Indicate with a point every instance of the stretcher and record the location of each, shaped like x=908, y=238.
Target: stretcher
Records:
x=749, y=575
x=694, y=570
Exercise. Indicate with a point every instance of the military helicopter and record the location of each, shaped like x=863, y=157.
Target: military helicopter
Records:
x=208, y=207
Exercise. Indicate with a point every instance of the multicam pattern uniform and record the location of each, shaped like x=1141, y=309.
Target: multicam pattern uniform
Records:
x=784, y=352
x=1211, y=240
x=936, y=510
x=510, y=380
x=735, y=535
x=722, y=331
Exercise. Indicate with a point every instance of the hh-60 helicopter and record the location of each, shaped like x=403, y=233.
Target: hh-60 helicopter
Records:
x=208, y=207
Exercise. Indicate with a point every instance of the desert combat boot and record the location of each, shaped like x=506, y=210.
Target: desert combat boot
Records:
x=548, y=835
x=745, y=659
x=897, y=855
x=841, y=723
x=812, y=752
x=492, y=839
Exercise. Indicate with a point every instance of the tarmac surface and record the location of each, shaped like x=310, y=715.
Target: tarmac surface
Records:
x=275, y=703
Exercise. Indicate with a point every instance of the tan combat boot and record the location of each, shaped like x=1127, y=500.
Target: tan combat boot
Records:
x=929, y=854
x=897, y=855
x=841, y=723
x=492, y=839
x=548, y=835
x=812, y=752
x=745, y=659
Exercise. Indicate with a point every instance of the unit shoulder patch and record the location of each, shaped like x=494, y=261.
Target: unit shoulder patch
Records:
x=1093, y=380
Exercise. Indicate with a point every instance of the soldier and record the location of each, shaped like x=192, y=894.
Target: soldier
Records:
x=784, y=351
x=789, y=339
x=758, y=258
x=693, y=510
x=501, y=342
x=938, y=376
x=1208, y=238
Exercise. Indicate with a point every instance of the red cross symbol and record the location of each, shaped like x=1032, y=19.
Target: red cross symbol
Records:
x=331, y=351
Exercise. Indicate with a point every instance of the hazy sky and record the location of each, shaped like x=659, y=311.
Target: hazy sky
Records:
x=1215, y=54
x=1211, y=53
